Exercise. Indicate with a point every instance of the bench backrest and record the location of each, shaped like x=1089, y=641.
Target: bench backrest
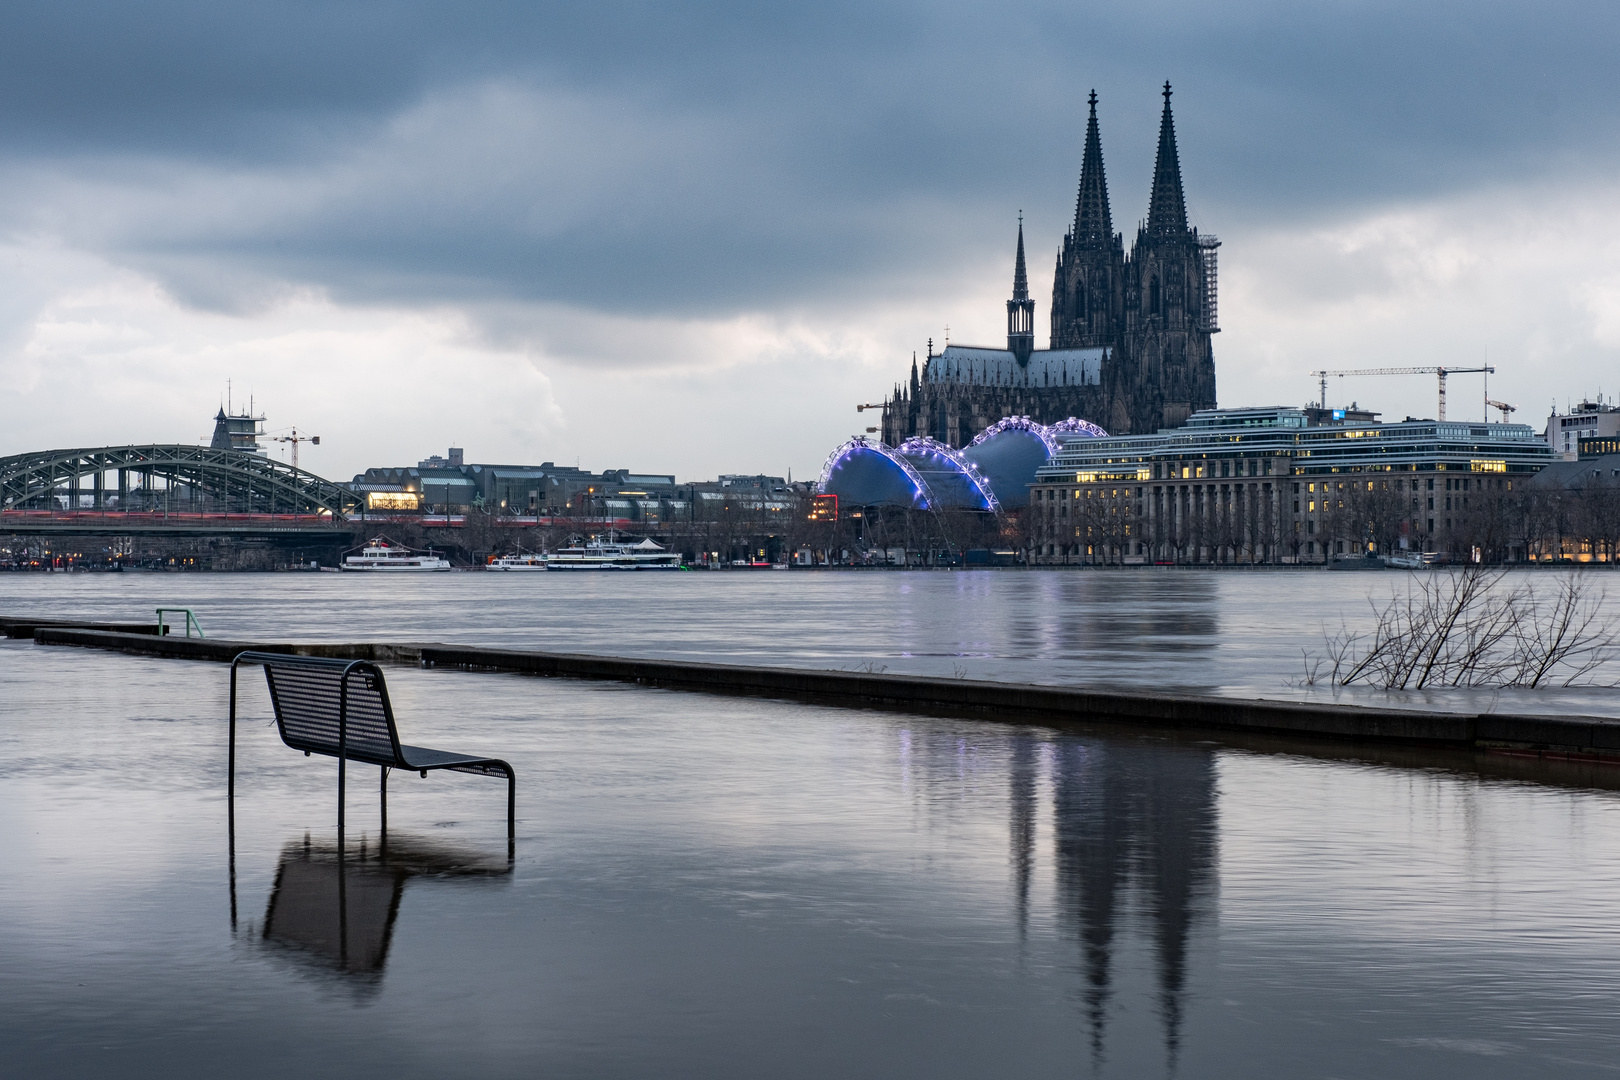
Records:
x=306, y=693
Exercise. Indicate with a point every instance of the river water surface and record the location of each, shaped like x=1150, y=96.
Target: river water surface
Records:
x=725, y=887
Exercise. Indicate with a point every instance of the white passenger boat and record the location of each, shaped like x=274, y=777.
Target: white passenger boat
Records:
x=522, y=561
x=607, y=555
x=382, y=557
x=1412, y=560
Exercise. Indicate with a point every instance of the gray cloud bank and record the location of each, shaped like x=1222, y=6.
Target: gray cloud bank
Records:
x=710, y=159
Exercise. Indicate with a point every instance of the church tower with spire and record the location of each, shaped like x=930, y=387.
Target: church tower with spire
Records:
x=1086, y=290
x=1168, y=369
x=1020, y=309
x=1130, y=346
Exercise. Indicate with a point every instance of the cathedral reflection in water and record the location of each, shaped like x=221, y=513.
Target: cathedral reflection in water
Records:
x=1124, y=832
x=1134, y=828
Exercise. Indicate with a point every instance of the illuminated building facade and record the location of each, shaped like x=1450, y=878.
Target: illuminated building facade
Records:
x=1265, y=485
x=1589, y=429
x=449, y=484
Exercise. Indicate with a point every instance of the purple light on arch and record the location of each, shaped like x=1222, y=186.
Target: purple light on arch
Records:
x=1019, y=423
x=1075, y=426
x=923, y=445
x=857, y=446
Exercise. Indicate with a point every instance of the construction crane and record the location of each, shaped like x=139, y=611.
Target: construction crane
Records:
x=295, y=439
x=1442, y=372
x=1504, y=406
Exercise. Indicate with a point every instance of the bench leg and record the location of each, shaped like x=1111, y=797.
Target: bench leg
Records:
x=385, y=800
x=230, y=799
x=342, y=778
x=511, y=811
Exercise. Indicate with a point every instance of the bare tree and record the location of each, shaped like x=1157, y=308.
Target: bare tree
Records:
x=1471, y=627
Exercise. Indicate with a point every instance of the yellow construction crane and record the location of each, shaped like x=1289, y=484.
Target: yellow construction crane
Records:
x=1442, y=372
x=295, y=439
x=1504, y=406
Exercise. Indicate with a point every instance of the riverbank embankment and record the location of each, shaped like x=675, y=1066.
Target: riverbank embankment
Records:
x=1581, y=738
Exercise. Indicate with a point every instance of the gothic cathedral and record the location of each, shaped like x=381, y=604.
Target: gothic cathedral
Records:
x=1130, y=344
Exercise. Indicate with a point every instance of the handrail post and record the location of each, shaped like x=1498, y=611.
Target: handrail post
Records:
x=230, y=795
x=343, y=748
x=191, y=621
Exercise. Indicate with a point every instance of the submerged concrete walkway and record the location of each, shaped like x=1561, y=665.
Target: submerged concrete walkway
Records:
x=1582, y=738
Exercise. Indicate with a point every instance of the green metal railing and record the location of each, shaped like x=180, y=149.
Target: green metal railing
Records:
x=191, y=620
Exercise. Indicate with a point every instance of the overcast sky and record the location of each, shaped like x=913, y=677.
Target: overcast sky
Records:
x=691, y=237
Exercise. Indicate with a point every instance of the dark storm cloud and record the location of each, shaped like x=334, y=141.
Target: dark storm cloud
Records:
x=710, y=158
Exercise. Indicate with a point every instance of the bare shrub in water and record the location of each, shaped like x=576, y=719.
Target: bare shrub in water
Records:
x=1469, y=629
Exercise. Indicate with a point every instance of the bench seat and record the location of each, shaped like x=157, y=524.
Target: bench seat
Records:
x=340, y=708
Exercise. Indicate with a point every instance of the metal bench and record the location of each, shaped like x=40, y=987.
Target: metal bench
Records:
x=340, y=708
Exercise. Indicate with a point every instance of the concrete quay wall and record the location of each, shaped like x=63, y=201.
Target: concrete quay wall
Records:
x=223, y=650
x=12, y=626
x=1578, y=737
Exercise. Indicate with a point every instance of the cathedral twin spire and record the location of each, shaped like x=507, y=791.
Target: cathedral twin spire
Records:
x=1167, y=206
x=1093, y=224
x=1167, y=210
x=1100, y=290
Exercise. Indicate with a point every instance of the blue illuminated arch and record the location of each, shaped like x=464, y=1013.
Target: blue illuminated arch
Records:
x=1075, y=426
x=865, y=473
x=1008, y=453
x=954, y=482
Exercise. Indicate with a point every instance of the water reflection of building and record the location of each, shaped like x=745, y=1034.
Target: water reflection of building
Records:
x=337, y=914
x=1133, y=835
x=1134, y=832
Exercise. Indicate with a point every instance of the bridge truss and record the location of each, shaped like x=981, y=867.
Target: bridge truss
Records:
x=168, y=480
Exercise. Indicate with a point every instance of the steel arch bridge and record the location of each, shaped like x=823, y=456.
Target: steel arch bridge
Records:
x=170, y=485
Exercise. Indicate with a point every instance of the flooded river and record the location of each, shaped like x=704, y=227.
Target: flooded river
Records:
x=715, y=887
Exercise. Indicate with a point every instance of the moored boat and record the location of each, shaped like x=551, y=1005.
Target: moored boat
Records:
x=608, y=555
x=1357, y=562
x=381, y=555
x=522, y=561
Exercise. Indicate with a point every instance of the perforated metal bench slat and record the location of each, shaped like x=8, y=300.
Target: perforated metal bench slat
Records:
x=306, y=703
